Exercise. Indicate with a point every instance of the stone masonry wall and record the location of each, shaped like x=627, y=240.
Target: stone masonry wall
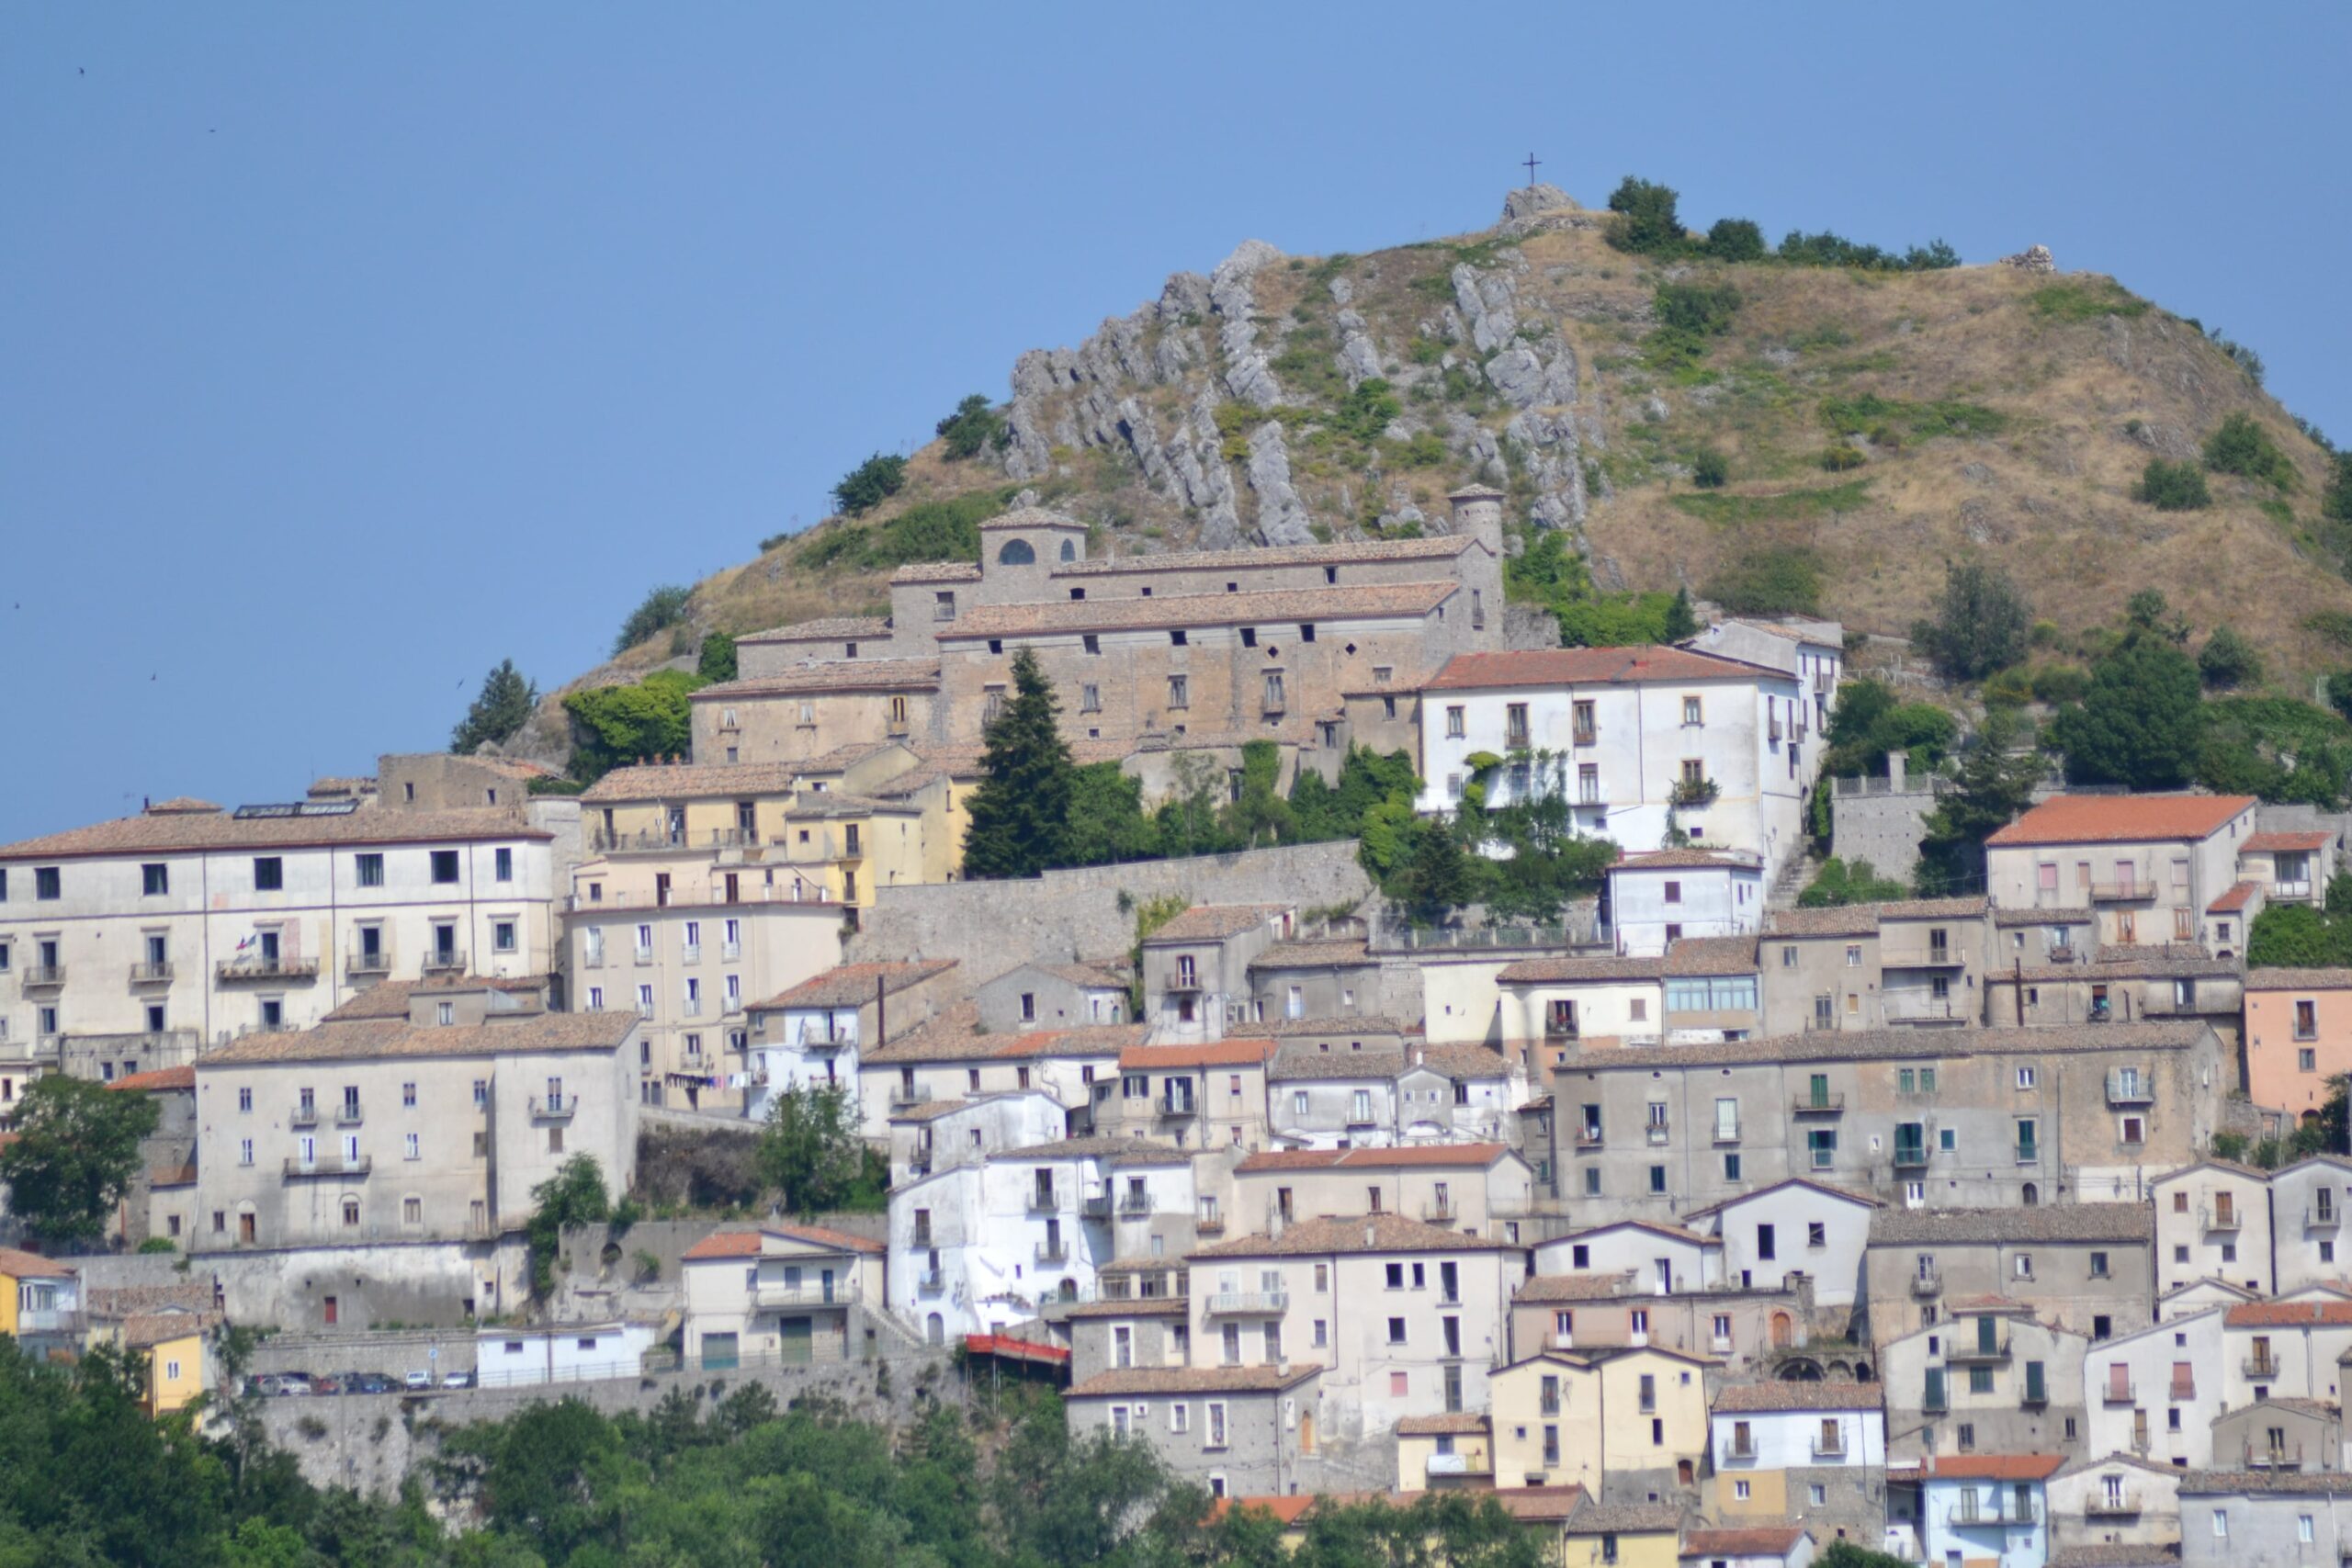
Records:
x=990, y=926
x=1884, y=829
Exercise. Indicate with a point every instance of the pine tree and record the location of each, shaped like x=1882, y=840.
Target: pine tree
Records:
x=503, y=708
x=1020, y=814
x=1679, y=620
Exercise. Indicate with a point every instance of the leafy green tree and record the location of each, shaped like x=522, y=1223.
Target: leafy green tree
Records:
x=810, y=1149
x=1191, y=819
x=76, y=1150
x=972, y=428
x=1710, y=469
x=1107, y=821
x=1871, y=721
x=1646, y=223
x=1846, y=1554
x=2141, y=723
x=660, y=609
x=1702, y=309
x=1980, y=623
x=575, y=1195
x=2172, y=487
x=2228, y=660
x=870, y=484
x=717, y=661
x=1736, y=239
x=2335, y=501
x=1261, y=815
x=2147, y=611
x=616, y=725
x=1848, y=882
x=2242, y=447
x=1995, y=782
x=1434, y=876
x=503, y=707
x=1018, y=819
x=1680, y=622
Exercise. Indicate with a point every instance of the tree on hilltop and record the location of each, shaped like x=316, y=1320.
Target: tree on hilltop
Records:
x=502, y=708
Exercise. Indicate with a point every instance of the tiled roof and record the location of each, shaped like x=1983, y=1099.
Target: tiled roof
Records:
x=1994, y=1467
x=1098, y=975
x=833, y=627
x=832, y=803
x=1745, y=1540
x=1214, y=922
x=748, y=1242
x=2151, y=962
x=2116, y=1554
x=1655, y=1227
x=1564, y=970
x=388, y=1038
x=2304, y=1483
x=1863, y=919
x=1822, y=1187
x=1459, y=1424
x=1624, y=1519
x=1322, y=953
x=390, y=998
x=1133, y=1306
x=1288, y=1508
x=130, y=1301
x=852, y=985
x=1353, y=1234
x=1893, y=1045
x=1539, y=1504
x=2235, y=896
x=20, y=1265
x=938, y=571
x=1466, y=1062
x=1584, y=667
x=2289, y=1314
x=933, y=1109
x=2121, y=819
x=2043, y=1222
x=145, y=1330
x=690, y=781
x=1440, y=547
x=1192, y=1379
x=1032, y=517
x=1214, y=1053
x=1346, y=1026
x=2284, y=979
x=2077, y=917
x=169, y=832
x=1740, y=1399
x=840, y=675
x=1306, y=1066
x=183, y=804
x=2284, y=843
x=159, y=1078
x=1676, y=860
x=1411, y=1157
x=1129, y=1149
x=1270, y=607
x=1584, y=1287
x=724, y=1243
x=1712, y=956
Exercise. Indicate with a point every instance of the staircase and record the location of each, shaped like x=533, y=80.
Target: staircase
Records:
x=1795, y=875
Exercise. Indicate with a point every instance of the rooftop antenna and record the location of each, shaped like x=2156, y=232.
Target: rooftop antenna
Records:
x=1531, y=162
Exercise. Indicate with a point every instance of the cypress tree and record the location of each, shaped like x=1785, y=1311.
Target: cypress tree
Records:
x=1020, y=814
x=503, y=708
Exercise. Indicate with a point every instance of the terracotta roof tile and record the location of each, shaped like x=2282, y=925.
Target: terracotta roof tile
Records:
x=20, y=1265
x=1310, y=1066
x=852, y=985
x=2235, y=896
x=1214, y=1053
x=159, y=1078
x=1744, y=1541
x=1864, y=920
x=1192, y=1379
x=1460, y=1423
x=2045, y=1222
x=2121, y=819
x=1577, y=1287
x=691, y=781
x=831, y=628
x=1215, y=922
x=2286, y=979
x=1675, y=860
x=2289, y=1314
x=1466, y=1062
x=1753, y=1193
x=163, y=833
x=1321, y=953
x=1541, y=1505
x=1264, y=607
x=1565, y=970
x=1712, y=956
x=838, y=675
x=390, y=998
x=1440, y=547
x=1624, y=1519
x=2304, y=1483
x=390, y=1038
x=1740, y=1399
x=1584, y=667
x=938, y=571
x=2284, y=843
x=1994, y=1467
x=1355, y=1234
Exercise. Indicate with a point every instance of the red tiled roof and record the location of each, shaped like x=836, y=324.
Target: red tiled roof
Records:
x=725, y=1244
x=1215, y=1054
x=2289, y=1314
x=2288, y=979
x=1412, y=1156
x=2121, y=818
x=1994, y=1467
x=2289, y=843
x=1583, y=667
x=747, y=1243
x=853, y=984
x=1291, y=1508
x=2236, y=896
x=157, y=1079
x=1748, y=1541
x=20, y=1265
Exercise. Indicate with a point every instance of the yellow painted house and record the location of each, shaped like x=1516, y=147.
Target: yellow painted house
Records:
x=1619, y=1422
x=171, y=1347
x=40, y=1302
x=1623, y=1535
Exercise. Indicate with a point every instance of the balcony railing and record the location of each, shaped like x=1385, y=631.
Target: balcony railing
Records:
x=1740, y=1447
x=2132, y=1087
x=1096, y=1206
x=2212, y=1217
x=1820, y=1103
x=1727, y=1131
x=1825, y=1446
x=2260, y=1366
x=1459, y=1465
x=1561, y=1029
x=1134, y=1204
x=1178, y=1105
x=840, y=1292
x=2109, y=1392
x=1910, y=1157
x=1694, y=791
x=302, y=1116
x=2184, y=1388
x=2122, y=892
x=2274, y=1456
x=445, y=960
x=1242, y=1304
x=1044, y=1202
x=1056, y=1253
x=2112, y=1505
x=279, y=968
x=1210, y=1224
x=347, y=1113
x=1588, y=1137
x=151, y=973
x=2318, y=1219
x=1439, y=1210
x=904, y=1095
x=41, y=976
x=931, y=1280
x=1973, y=1352
x=376, y=962
x=553, y=1107
x=1927, y=1284
x=1971, y=1509
x=296, y=1170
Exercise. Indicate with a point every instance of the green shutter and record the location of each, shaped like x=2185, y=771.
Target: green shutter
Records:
x=2034, y=1388
x=1934, y=1398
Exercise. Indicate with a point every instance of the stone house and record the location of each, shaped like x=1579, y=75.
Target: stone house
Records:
x=1232, y=1431
x=1335, y=1100
x=939, y=1134
x=2214, y=1221
x=782, y=1291
x=1862, y=967
x=2298, y=1036
x=1664, y=1257
x=1052, y=996
x=2156, y=1392
x=1196, y=969
x=1627, y=1424
x=1120, y=1335
x=1439, y=1451
x=1315, y=977
x=813, y=1033
x=2308, y=1201
x=1796, y=1226
x=1476, y=1188
x=2264, y=1516
x=2086, y=1267
x=1458, y=1093
x=2281, y=1433
x=1811, y=1451
x=1748, y=1332
x=2148, y=866
x=2178, y=981
x=1657, y=898
x=2120, y=1500
x=950, y=1056
x=1989, y=1377
x=1211, y=1094
x=2291, y=1348
x=1749, y=1546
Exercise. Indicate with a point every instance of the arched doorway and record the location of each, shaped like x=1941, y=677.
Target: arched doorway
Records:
x=936, y=1329
x=1683, y=1475
x=1783, y=1331
x=1306, y=1433
x=2032, y=1194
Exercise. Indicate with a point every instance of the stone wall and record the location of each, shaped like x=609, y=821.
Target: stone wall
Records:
x=990, y=926
x=425, y=1283
x=370, y=1442
x=1882, y=821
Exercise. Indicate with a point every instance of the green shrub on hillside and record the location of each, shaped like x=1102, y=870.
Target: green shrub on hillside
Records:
x=614, y=725
x=1842, y=882
x=974, y=426
x=2227, y=661
x=2173, y=486
x=716, y=659
x=1702, y=309
x=2141, y=724
x=2243, y=448
x=1871, y=721
x=1881, y=418
x=1710, y=469
x=1645, y=222
x=1826, y=249
x=2060, y=683
x=1842, y=459
x=1736, y=239
x=2335, y=501
x=870, y=484
x=1980, y=624
x=1786, y=507
x=660, y=609
x=2084, y=300
x=1772, y=579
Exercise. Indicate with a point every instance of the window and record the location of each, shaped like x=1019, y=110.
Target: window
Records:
x=1692, y=712
x=1179, y=692
x=2306, y=1060
x=2306, y=1020
x=410, y=1146
x=1273, y=691
x=2221, y=1524
x=1216, y=1433
x=244, y=1151
x=2026, y=1078
x=1396, y=1331
x=47, y=882
x=411, y=1211
x=502, y=933
x=155, y=879
x=444, y=865
x=269, y=873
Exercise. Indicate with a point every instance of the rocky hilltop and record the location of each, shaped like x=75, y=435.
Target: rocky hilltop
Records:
x=1670, y=420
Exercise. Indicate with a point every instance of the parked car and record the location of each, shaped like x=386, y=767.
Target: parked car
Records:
x=265, y=1384
x=417, y=1379
x=328, y=1385
x=368, y=1383
x=295, y=1383
x=458, y=1380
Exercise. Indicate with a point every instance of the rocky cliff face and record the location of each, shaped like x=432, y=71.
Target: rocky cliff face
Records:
x=2006, y=409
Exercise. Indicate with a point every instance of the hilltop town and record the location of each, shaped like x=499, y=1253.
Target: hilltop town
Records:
x=1719, y=1093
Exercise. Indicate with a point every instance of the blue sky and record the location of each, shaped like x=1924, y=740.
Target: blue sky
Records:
x=345, y=351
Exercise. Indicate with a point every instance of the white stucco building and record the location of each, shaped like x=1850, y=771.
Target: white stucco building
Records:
x=1657, y=898
x=1793, y=1226
x=2156, y=1392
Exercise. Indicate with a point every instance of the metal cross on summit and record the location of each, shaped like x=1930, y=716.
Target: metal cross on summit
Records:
x=1530, y=171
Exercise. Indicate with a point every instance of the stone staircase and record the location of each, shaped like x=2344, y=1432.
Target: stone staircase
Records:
x=1795, y=875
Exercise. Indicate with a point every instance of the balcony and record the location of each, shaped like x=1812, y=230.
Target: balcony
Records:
x=302, y=1116
x=2008, y=1510
x=151, y=973
x=1178, y=1105
x=1044, y=1202
x=1209, y=1224
x=1829, y=1446
x=1248, y=1303
x=931, y=1282
x=904, y=1096
x=1460, y=1464
x=2268, y=1456
x=2319, y=1219
x=2125, y=1393
x=1559, y=1029
x=1695, y=792
x=1820, y=1102
x=42, y=976
x=347, y=1114
x=2112, y=1504
x=690, y=954
x=1934, y=1402
x=1588, y=1137
x=1742, y=1448
x=1910, y=1157
x=2184, y=1388
x=1053, y=1253
x=279, y=968
x=1976, y=1353
x=380, y=962
x=642, y=957
x=320, y=1169
x=553, y=1107
x=2128, y=1087
x=1134, y=1205
x=2127, y=892
x=1439, y=1210
x=1727, y=1131
x=1185, y=980
x=2211, y=1217
x=445, y=961
x=1930, y=1284
x=1096, y=1206
x=2261, y=1365
x=1898, y=1008
x=840, y=1292
x=1928, y=957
